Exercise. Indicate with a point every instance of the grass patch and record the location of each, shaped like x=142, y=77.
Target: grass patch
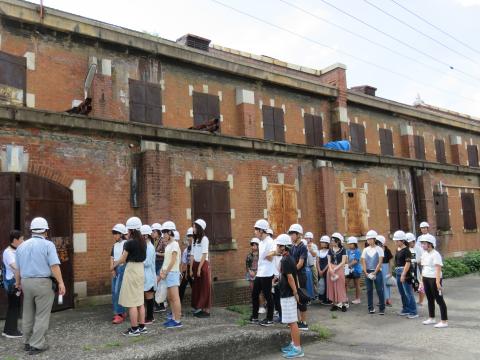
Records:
x=243, y=310
x=138, y=339
x=88, y=348
x=322, y=332
x=112, y=345
x=334, y=316
x=10, y=358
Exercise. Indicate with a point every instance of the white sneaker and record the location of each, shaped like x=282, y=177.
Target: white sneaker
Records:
x=262, y=310
x=357, y=301
x=441, y=325
x=412, y=316
x=429, y=322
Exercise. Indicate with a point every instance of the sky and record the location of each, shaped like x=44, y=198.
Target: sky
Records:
x=413, y=65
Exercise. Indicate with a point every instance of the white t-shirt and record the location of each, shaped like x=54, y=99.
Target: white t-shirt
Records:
x=311, y=259
x=276, y=265
x=371, y=251
x=429, y=260
x=169, y=249
x=265, y=267
x=199, y=249
x=118, y=249
x=323, y=253
x=9, y=259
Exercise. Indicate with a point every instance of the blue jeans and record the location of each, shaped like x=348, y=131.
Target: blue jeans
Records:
x=116, y=285
x=387, y=290
x=406, y=293
x=309, y=285
x=380, y=290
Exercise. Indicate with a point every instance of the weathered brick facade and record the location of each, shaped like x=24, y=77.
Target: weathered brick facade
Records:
x=102, y=150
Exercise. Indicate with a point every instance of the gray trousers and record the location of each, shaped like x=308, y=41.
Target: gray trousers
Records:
x=38, y=299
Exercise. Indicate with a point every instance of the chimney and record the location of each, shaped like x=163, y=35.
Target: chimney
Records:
x=365, y=89
x=194, y=41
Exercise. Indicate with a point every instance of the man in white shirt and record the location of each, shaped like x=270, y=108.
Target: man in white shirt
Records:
x=265, y=271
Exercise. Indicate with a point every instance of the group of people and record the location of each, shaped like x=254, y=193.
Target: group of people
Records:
x=145, y=258
x=290, y=272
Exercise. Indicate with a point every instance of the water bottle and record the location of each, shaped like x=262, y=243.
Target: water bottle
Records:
x=60, y=299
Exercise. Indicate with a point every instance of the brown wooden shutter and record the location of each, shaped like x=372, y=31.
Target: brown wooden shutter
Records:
x=419, y=147
x=386, y=142
x=402, y=210
x=357, y=133
x=268, y=124
x=472, y=155
x=200, y=108
x=440, y=151
x=13, y=75
x=290, y=207
x=279, y=124
x=468, y=209
x=441, y=211
x=318, y=130
x=309, y=129
x=222, y=229
x=145, y=102
x=275, y=208
x=392, y=196
x=213, y=107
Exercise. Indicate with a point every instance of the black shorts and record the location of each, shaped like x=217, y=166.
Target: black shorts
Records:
x=353, y=275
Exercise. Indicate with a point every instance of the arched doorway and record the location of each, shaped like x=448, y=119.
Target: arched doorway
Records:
x=25, y=196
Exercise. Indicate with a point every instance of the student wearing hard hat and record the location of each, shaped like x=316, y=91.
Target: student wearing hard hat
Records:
x=416, y=252
x=150, y=277
x=424, y=229
x=264, y=276
x=37, y=263
x=185, y=267
x=277, y=259
x=200, y=271
x=300, y=253
x=312, y=261
x=131, y=292
x=372, y=260
x=159, y=255
x=337, y=259
x=323, y=269
x=353, y=268
x=380, y=239
x=432, y=280
x=171, y=273
x=403, y=271
x=118, y=232
x=289, y=296
x=251, y=262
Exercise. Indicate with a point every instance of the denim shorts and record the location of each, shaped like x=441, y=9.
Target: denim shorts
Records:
x=173, y=279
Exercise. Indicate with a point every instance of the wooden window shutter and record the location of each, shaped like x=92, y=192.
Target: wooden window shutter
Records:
x=318, y=130
x=402, y=210
x=268, y=125
x=441, y=211
x=275, y=208
x=279, y=124
x=392, y=196
x=419, y=147
x=472, y=155
x=309, y=129
x=153, y=108
x=13, y=78
x=290, y=207
x=468, y=209
x=145, y=102
x=440, y=151
x=357, y=214
x=200, y=108
x=357, y=133
x=386, y=142
x=213, y=107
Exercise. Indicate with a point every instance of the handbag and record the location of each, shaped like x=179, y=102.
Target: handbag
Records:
x=347, y=270
x=303, y=297
x=321, y=286
x=391, y=281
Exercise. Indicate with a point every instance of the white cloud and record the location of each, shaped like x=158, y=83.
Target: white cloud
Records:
x=468, y=3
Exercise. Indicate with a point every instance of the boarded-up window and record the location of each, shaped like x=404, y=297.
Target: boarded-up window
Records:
x=472, y=155
x=313, y=130
x=356, y=210
x=468, y=210
x=397, y=210
x=273, y=123
x=211, y=202
x=386, y=141
x=13, y=79
x=440, y=151
x=419, y=147
x=206, y=107
x=145, y=102
x=282, y=207
x=357, y=137
x=441, y=211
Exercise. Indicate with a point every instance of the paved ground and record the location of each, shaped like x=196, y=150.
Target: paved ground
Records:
x=360, y=336
x=87, y=334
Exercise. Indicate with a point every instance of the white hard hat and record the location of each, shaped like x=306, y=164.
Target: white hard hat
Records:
x=157, y=226
x=39, y=225
x=325, y=239
x=145, y=230
x=269, y=231
x=296, y=228
x=338, y=236
x=304, y=242
x=120, y=228
x=429, y=238
x=262, y=224
x=284, y=240
x=308, y=235
x=409, y=237
x=399, y=235
x=381, y=238
x=134, y=223
x=255, y=241
x=190, y=231
x=352, y=240
x=201, y=223
x=424, y=224
x=371, y=234
x=169, y=225
x=176, y=235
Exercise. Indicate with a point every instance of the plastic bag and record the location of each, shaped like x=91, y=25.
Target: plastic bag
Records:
x=321, y=286
x=161, y=293
x=391, y=281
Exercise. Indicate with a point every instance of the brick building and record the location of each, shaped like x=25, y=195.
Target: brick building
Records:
x=134, y=154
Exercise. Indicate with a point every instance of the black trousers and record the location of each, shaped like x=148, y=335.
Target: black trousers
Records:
x=302, y=280
x=262, y=285
x=431, y=292
x=186, y=279
x=276, y=299
x=13, y=313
